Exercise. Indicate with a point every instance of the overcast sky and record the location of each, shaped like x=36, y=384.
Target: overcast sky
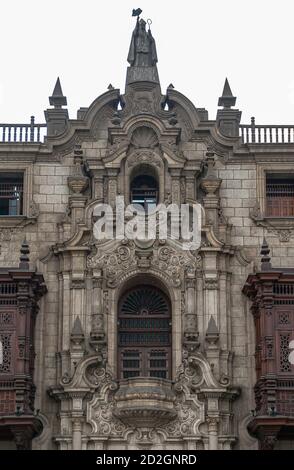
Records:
x=199, y=43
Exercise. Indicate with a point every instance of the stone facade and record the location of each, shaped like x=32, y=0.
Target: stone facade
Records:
x=91, y=159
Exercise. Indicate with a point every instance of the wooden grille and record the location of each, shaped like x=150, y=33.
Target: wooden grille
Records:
x=11, y=195
x=280, y=198
x=144, y=334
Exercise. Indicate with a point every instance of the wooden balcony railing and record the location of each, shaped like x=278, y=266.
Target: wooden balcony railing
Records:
x=266, y=134
x=24, y=133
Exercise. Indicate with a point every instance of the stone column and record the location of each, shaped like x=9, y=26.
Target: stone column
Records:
x=77, y=300
x=112, y=185
x=77, y=418
x=211, y=284
x=190, y=319
x=97, y=298
x=97, y=335
x=98, y=184
x=225, y=310
x=65, y=311
x=76, y=434
x=200, y=302
x=190, y=184
x=212, y=423
x=175, y=185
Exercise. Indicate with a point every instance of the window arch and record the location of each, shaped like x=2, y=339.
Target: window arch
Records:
x=144, y=187
x=144, y=333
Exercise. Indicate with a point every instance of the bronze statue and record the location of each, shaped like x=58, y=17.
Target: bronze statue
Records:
x=142, y=51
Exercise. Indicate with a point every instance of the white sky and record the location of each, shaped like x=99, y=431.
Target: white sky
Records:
x=198, y=42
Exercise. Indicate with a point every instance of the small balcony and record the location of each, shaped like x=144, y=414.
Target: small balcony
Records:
x=145, y=402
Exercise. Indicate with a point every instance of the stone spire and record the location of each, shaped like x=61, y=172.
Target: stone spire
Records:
x=77, y=339
x=265, y=258
x=56, y=117
x=227, y=100
x=142, y=55
x=57, y=99
x=228, y=119
x=212, y=333
x=77, y=328
x=24, y=258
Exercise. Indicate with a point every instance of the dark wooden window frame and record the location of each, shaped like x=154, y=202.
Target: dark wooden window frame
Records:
x=279, y=193
x=144, y=333
x=11, y=190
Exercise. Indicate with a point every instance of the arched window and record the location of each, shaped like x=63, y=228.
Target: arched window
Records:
x=144, y=191
x=144, y=333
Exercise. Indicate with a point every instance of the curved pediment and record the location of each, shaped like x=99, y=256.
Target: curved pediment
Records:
x=87, y=118
x=177, y=98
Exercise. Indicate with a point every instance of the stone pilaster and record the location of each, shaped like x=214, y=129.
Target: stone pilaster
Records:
x=112, y=185
x=175, y=185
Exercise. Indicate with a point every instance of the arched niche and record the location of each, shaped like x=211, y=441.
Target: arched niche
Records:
x=144, y=158
x=140, y=163
x=144, y=186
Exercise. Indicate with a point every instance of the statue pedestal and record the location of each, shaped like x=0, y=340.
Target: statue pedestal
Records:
x=142, y=74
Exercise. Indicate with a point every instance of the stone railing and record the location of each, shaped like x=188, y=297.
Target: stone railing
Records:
x=24, y=133
x=266, y=134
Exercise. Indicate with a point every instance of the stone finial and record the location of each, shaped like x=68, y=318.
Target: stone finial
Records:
x=170, y=86
x=110, y=87
x=24, y=258
x=210, y=183
x=77, y=336
x=56, y=117
x=212, y=328
x=116, y=120
x=77, y=328
x=227, y=119
x=78, y=183
x=212, y=333
x=57, y=99
x=210, y=161
x=265, y=258
x=227, y=100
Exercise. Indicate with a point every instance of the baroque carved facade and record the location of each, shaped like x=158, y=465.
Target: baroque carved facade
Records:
x=205, y=396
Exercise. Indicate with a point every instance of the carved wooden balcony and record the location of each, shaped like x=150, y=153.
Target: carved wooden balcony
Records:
x=272, y=294
x=20, y=290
